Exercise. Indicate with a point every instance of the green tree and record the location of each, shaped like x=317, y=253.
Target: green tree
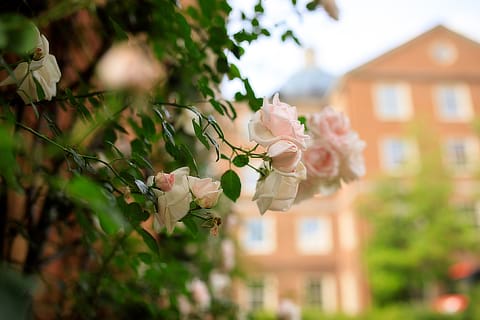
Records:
x=416, y=233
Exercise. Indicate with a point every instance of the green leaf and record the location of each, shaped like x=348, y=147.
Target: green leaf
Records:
x=207, y=7
x=191, y=225
x=233, y=72
x=222, y=65
x=312, y=5
x=119, y=31
x=303, y=120
x=142, y=161
x=168, y=132
x=145, y=257
x=231, y=185
x=211, y=120
x=188, y=158
x=39, y=89
x=90, y=195
x=241, y=160
x=148, y=126
x=254, y=102
x=135, y=213
x=200, y=135
x=233, y=113
x=8, y=162
x=217, y=106
x=149, y=240
x=19, y=34
x=215, y=144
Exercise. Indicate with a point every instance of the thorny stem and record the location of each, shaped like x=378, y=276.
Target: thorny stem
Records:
x=234, y=148
x=85, y=95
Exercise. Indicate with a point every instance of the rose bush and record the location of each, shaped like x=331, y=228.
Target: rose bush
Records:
x=137, y=99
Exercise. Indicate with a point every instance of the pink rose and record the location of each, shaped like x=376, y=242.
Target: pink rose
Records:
x=285, y=155
x=165, y=181
x=330, y=125
x=205, y=191
x=321, y=160
x=277, y=121
x=353, y=164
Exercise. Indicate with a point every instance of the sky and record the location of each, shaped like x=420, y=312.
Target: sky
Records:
x=365, y=30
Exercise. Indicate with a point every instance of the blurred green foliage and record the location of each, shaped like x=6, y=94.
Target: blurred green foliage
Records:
x=418, y=230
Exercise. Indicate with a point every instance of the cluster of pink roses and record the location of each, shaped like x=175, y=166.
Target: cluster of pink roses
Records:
x=335, y=154
x=330, y=154
x=176, y=190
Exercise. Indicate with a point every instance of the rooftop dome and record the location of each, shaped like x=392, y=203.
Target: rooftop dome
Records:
x=310, y=82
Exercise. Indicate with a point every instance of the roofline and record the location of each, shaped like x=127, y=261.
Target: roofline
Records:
x=406, y=44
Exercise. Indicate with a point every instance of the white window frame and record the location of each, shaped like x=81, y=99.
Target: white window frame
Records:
x=319, y=243
x=471, y=154
x=308, y=283
x=411, y=155
x=463, y=101
x=249, y=300
x=328, y=283
x=270, y=292
x=267, y=244
x=404, y=101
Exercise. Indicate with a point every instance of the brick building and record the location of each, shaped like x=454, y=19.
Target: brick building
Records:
x=311, y=255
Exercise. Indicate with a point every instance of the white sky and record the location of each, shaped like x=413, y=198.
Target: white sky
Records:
x=366, y=29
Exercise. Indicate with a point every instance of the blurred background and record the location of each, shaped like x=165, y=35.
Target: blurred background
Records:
x=403, y=242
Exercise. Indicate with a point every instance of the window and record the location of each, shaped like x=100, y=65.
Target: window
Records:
x=314, y=235
x=393, y=101
x=461, y=154
x=453, y=103
x=444, y=53
x=259, y=235
x=256, y=295
x=261, y=292
x=398, y=154
x=313, y=293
